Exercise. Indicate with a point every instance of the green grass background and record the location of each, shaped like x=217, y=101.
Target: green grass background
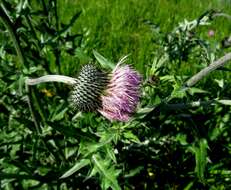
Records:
x=117, y=28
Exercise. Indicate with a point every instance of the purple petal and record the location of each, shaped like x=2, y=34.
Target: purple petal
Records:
x=122, y=95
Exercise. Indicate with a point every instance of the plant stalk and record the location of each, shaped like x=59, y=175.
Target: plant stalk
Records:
x=52, y=78
x=204, y=72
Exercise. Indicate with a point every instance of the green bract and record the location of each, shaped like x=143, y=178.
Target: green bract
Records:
x=91, y=82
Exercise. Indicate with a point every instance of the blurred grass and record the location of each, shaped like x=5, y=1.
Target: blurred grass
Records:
x=117, y=28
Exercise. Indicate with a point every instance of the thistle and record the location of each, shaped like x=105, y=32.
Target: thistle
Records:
x=114, y=95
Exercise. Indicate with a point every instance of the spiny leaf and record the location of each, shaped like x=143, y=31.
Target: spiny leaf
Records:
x=82, y=163
x=103, y=61
x=108, y=173
x=87, y=147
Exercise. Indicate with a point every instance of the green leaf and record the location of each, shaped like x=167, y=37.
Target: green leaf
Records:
x=86, y=148
x=131, y=137
x=109, y=173
x=182, y=139
x=103, y=61
x=225, y=102
x=142, y=112
x=189, y=186
x=89, y=147
x=133, y=172
x=220, y=83
x=178, y=93
x=82, y=163
x=200, y=152
x=59, y=115
x=193, y=91
x=111, y=153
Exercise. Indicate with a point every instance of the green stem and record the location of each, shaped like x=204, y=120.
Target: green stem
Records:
x=36, y=123
x=180, y=106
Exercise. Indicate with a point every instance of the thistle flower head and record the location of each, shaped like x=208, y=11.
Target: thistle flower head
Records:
x=114, y=95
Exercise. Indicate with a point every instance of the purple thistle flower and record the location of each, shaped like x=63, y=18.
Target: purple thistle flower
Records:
x=122, y=94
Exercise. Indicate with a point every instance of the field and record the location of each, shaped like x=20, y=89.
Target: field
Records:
x=151, y=125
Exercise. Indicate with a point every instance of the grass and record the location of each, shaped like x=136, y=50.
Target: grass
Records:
x=118, y=28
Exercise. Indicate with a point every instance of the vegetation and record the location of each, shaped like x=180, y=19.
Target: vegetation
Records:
x=179, y=137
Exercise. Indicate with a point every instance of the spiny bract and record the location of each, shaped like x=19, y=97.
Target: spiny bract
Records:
x=86, y=93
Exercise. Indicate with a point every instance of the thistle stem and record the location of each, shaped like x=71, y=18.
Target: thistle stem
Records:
x=222, y=15
x=180, y=106
x=204, y=72
x=52, y=78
